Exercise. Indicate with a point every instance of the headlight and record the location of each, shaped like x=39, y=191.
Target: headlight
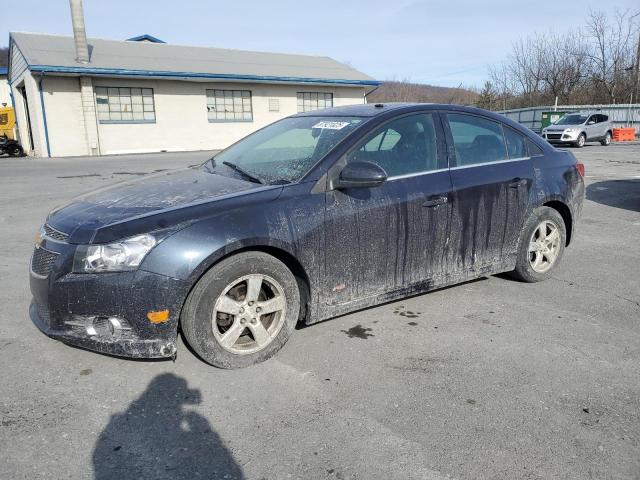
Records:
x=570, y=130
x=113, y=257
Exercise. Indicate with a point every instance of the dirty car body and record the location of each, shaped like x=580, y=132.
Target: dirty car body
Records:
x=457, y=185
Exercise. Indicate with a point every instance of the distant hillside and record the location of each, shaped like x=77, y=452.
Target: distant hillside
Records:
x=417, y=92
x=4, y=56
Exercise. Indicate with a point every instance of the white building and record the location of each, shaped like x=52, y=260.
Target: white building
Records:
x=143, y=95
x=5, y=96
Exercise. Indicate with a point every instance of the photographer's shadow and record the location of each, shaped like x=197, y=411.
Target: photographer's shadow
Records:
x=156, y=438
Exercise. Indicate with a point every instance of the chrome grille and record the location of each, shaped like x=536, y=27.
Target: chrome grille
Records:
x=42, y=261
x=55, y=234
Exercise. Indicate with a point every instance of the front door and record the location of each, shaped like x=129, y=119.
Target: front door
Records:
x=492, y=179
x=392, y=236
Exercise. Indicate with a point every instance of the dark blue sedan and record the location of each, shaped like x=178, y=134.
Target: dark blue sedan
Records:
x=316, y=215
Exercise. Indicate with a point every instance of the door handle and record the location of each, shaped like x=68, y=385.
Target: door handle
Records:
x=518, y=182
x=435, y=201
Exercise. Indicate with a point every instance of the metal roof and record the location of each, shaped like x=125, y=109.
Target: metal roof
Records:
x=55, y=53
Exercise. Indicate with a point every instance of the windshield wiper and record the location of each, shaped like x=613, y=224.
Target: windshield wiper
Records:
x=243, y=172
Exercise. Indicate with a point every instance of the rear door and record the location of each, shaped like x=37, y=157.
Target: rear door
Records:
x=392, y=236
x=591, y=127
x=492, y=179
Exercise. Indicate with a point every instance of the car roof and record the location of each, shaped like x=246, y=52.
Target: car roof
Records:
x=377, y=109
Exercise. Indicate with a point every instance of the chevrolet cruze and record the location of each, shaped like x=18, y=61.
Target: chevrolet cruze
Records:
x=314, y=216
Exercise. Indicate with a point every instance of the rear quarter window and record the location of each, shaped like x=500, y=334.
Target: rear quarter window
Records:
x=533, y=149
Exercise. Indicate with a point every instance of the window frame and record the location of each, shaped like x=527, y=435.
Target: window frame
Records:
x=312, y=93
x=228, y=120
x=453, y=158
x=128, y=121
x=441, y=144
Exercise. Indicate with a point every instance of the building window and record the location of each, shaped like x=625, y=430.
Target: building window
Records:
x=229, y=106
x=125, y=105
x=308, y=101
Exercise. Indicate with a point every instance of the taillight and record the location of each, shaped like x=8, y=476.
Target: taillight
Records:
x=580, y=168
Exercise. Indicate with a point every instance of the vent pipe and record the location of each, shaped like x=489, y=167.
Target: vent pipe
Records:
x=79, y=32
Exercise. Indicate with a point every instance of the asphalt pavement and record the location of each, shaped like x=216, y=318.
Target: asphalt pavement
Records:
x=490, y=379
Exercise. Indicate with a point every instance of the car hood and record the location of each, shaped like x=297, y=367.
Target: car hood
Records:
x=150, y=195
x=561, y=128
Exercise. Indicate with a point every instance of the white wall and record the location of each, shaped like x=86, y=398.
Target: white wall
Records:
x=30, y=84
x=4, y=92
x=181, y=115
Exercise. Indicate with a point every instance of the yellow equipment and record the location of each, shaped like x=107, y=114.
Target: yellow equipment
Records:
x=7, y=122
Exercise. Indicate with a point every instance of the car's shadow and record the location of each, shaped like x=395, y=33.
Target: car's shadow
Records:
x=616, y=193
x=158, y=436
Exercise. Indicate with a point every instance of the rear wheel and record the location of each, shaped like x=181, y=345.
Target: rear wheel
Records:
x=242, y=311
x=582, y=139
x=16, y=151
x=541, y=245
x=606, y=140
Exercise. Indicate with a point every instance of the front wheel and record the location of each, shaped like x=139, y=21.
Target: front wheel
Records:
x=582, y=139
x=242, y=311
x=606, y=140
x=541, y=245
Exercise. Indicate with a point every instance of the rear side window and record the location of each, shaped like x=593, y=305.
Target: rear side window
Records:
x=476, y=140
x=403, y=146
x=516, y=146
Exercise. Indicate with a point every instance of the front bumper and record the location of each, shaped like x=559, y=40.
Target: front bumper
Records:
x=560, y=137
x=105, y=312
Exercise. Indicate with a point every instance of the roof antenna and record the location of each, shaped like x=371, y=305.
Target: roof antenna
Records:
x=79, y=31
x=379, y=105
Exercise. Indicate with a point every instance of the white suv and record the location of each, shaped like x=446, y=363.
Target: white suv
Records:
x=580, y=128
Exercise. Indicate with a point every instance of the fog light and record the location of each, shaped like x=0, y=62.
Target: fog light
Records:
x=100, y=326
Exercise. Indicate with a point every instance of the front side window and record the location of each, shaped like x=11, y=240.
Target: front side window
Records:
x=308, y=101
x=476, y=139
x=284, y=151
x=401, y=147
x=229, y=106
x=125, y=105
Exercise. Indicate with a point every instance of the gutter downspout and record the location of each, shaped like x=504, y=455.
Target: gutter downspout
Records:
x=370, y=92
x=44, y=117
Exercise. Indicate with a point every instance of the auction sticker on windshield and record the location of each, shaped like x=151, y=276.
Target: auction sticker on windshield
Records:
x=331, y=125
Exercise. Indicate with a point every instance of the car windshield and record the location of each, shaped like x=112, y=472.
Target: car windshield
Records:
x=572, y=119
x=284, y=151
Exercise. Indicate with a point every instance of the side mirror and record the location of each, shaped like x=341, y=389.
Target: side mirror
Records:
x=591, y=122
x=361, y=174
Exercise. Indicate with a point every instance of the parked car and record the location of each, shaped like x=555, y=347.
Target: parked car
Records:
x=314, y=216
x=579, y=128
x=10, y=147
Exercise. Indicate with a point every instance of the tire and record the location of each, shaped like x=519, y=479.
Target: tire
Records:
x=525, y=264
x=582, y=139
x=225, y=287
x=16, y=151
x=606, y=141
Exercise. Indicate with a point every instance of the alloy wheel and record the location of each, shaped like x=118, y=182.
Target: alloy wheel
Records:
x=544, y=246
x=249, y=313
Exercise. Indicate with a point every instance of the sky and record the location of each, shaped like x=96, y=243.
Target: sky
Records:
x=446, y=43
